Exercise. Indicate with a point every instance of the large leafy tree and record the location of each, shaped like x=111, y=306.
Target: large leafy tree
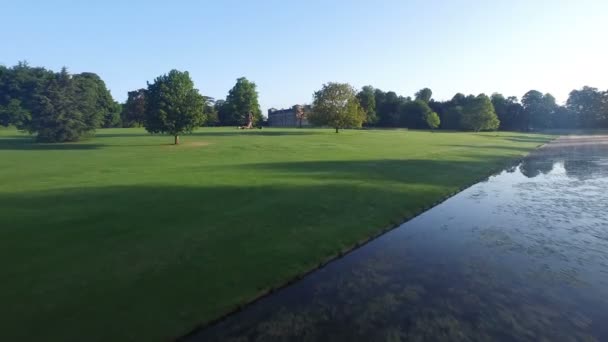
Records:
x=538, y=109
x=241, y=101
x=173, y=105
x=413, y=114
x=452, y=112
x=20, y=88
x=134, y=110
x=95, y=101
x=590, y=106
x=13, y=113
x=479, y=115
x=367, y=100
x=388, y=108
x=509, y=112
x=336, y=105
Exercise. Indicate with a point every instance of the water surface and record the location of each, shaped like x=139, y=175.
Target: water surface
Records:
x=521, y=256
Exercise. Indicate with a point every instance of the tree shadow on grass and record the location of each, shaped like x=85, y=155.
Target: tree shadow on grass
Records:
x=121, y=135
x=478, y=147
x=95, y=256
x=255, y=132
x=525, y=139
x=452, y=173
x=28, y=144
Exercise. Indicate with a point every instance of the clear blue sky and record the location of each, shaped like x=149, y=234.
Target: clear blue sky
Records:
x=290, y=48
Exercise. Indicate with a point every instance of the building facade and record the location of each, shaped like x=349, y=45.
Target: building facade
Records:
x=287, y=117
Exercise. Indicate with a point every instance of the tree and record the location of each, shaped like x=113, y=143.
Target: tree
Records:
x=452, y=114
x=413, y=114
x=58, y=116
x=432, y=120
x=367, y=100
x=564, y=117
x=56, y=107
x=112, y=117
x=509, y=111
x=241, y=101
x=95, y=101
x=388, y=108
x=301, y=114
x=479, y=115
x=210, y=112
x=336, y=105
x=134, y=110
x=424, y=95
x=590, y=106
x=173, y=105
x=14, y=114
x=538, y=109
x=20, y=88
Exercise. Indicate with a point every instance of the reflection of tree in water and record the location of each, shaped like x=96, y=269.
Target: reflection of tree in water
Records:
x=579, y=168
x=532, y=167
x=583, y=169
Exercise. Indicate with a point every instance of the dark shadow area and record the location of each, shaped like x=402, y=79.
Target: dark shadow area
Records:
x=216, y=133
x=103, y=252
x=517, y=138
x=256, y=132
x=28, y=143
x=490, y=147
x=121, y=135
x=409, y=171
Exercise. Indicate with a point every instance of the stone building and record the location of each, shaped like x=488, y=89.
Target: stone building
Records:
x=286, y=117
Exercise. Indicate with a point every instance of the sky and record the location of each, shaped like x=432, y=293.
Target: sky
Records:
x=291, y=48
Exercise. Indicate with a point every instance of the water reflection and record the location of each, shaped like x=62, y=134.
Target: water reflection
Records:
x=522, y=256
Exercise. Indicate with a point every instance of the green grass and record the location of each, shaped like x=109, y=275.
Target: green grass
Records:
x=123, y=237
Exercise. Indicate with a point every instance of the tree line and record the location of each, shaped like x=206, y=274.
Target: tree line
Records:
x=62, y=107
x=56, y=106
x=585, y=108
x=59, y=106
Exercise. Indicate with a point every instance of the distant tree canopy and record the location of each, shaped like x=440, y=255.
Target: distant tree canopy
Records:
x=134, y=110
x=242, y=99
x=509, y=111
x=59, y=106
x=367, y=100
x=589, y=106
x=55, y=107
x=173, y=105
x=210, y=112
x=336, y=105
x=538, y=109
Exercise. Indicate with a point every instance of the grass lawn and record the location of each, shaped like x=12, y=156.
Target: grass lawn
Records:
x=123, y=237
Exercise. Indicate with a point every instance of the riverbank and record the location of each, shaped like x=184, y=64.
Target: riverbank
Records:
x=125, y=237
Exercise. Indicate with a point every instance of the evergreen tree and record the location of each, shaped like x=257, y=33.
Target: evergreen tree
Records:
x=57, y=116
